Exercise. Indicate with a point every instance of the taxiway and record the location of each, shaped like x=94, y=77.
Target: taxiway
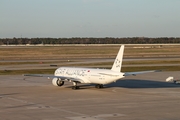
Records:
x=142, y=97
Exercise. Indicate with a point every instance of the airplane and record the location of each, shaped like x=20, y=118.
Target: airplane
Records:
x=96, y=76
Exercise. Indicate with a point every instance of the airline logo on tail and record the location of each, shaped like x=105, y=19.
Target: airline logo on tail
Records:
x=118, y=61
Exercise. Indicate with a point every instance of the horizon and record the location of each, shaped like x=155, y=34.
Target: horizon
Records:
x=89, y=18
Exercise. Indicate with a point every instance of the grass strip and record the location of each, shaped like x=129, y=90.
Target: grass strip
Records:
x=124, y=69
x=31, y=71
x=143, y=68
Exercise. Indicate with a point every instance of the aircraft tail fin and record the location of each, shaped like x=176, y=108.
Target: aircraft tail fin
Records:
x=118, y=61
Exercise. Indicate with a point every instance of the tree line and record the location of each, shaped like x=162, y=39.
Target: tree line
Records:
x=107, y=40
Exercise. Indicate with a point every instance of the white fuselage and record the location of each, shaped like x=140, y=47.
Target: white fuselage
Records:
x=89, y=75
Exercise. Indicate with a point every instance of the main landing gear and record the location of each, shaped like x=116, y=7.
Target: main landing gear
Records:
x=74, y=87
x=99, y=86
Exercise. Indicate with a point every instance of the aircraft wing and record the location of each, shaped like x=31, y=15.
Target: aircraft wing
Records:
x=140, y=72
x=63, y=78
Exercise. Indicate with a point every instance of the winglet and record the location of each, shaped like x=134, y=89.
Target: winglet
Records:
x=118, y=61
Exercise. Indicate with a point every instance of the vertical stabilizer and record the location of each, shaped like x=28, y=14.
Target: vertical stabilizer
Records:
x=118, y=61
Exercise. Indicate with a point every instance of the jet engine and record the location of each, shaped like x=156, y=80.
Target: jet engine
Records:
x=57, y=82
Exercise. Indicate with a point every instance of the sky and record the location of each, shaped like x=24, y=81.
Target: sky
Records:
x=89, y=18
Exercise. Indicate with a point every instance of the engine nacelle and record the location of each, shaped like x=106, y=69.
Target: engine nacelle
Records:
x=57, y=82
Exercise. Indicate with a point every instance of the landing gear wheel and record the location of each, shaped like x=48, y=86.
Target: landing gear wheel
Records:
x=99, y=86
x=75, y=87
